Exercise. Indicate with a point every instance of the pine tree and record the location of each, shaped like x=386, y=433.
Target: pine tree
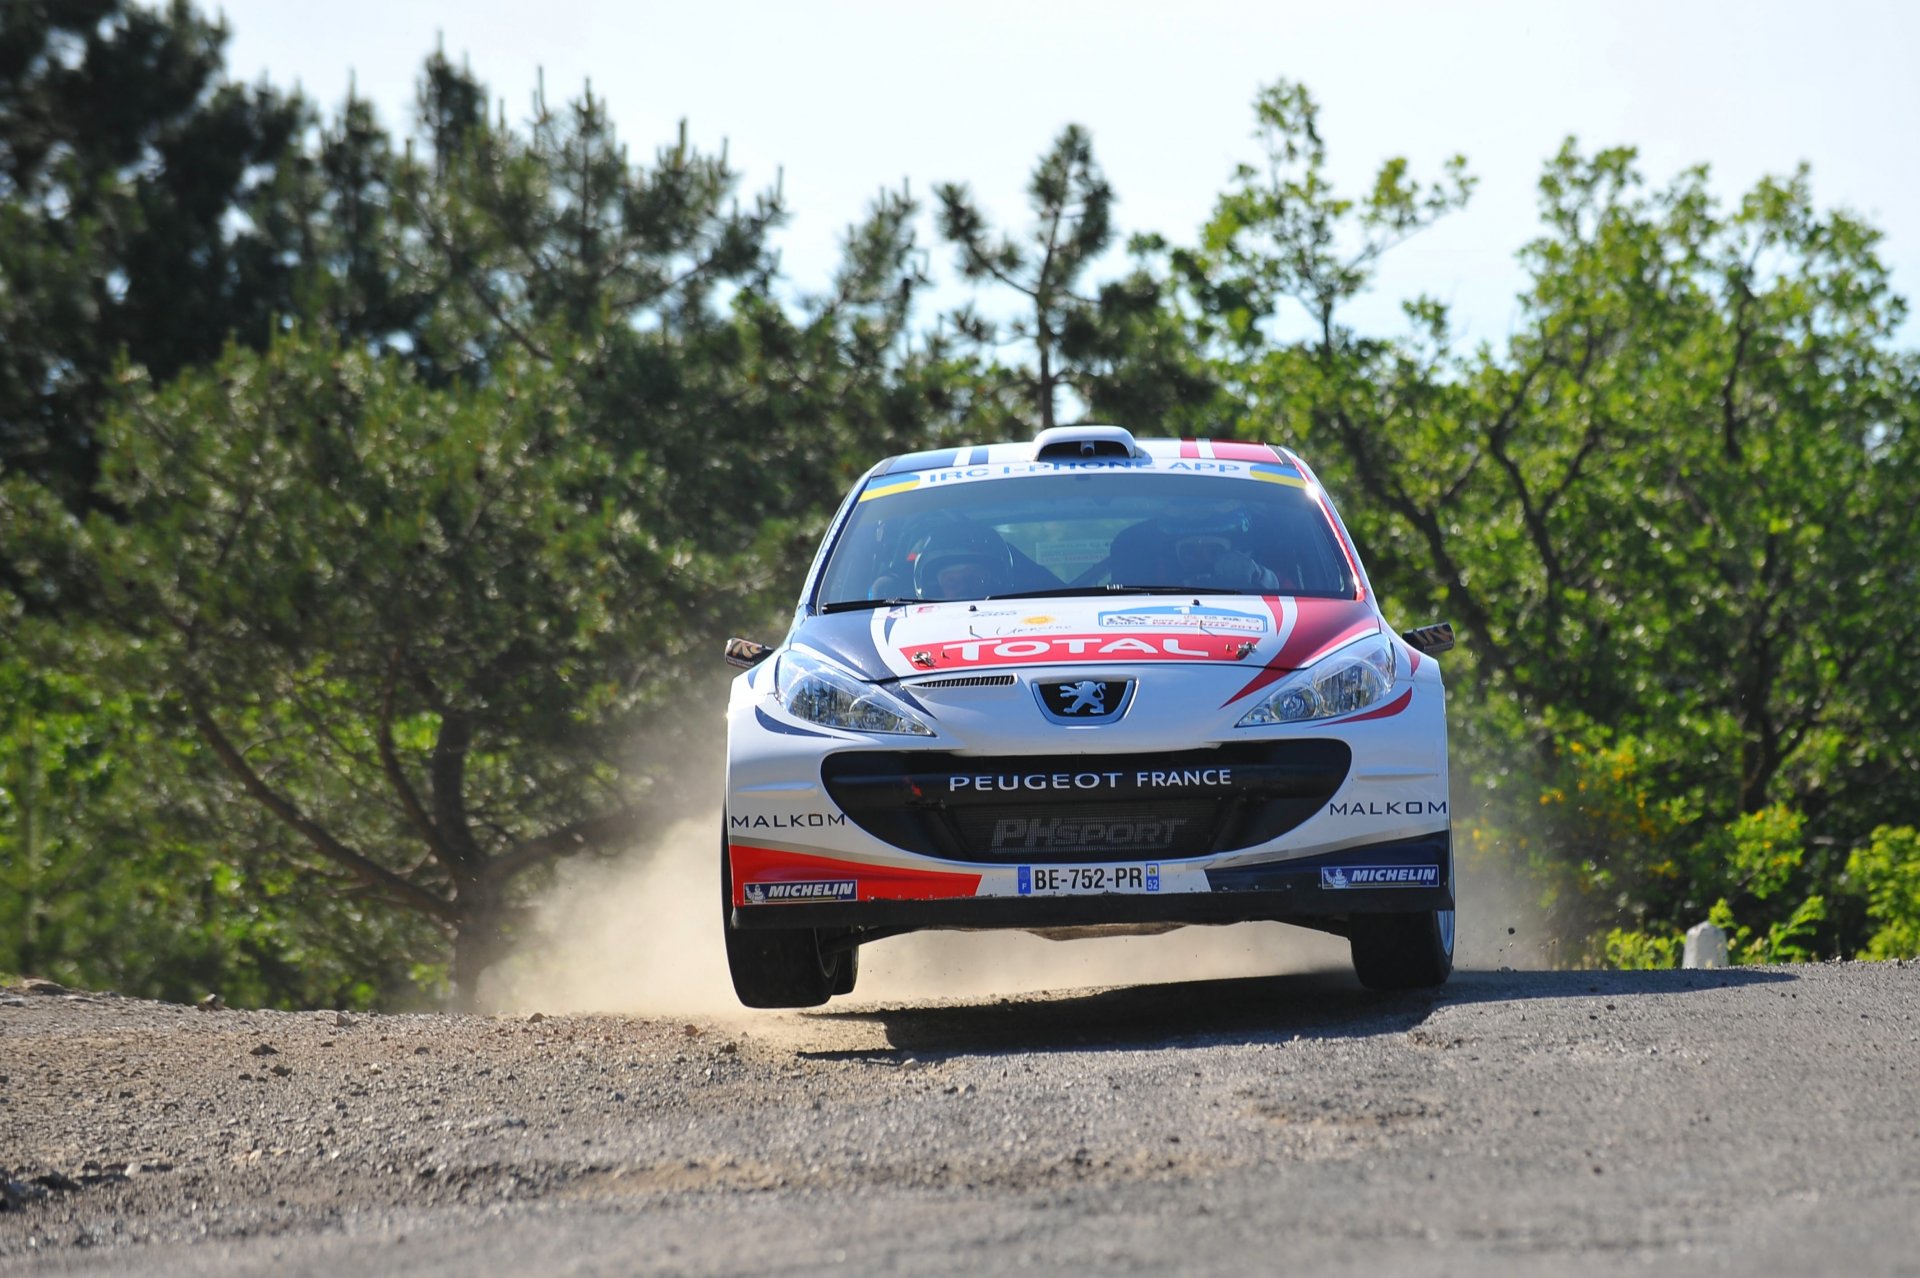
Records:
x=138, y=192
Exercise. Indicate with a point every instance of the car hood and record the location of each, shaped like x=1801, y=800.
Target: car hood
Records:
x=1277, y=633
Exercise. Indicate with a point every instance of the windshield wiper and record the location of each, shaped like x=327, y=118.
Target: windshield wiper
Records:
x=861, y=605
x=1072, y=592
x=1052, y=592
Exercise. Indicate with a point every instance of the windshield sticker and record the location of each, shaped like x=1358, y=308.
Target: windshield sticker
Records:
x=1288, y=475
x=947, y=638
x=1185, y=617
x=1037, y=624
x=891, y=487
x=1067, y=558
x=1006, y=470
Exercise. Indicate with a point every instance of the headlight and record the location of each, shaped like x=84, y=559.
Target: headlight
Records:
x=811, y=689
x=1351, y=679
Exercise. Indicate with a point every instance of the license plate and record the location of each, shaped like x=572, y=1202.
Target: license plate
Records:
x=1088, y=880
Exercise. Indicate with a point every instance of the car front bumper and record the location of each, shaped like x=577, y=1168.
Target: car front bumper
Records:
x=1400, y=876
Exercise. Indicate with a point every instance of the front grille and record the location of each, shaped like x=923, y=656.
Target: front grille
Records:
x=1132, y=807
x=964, y=681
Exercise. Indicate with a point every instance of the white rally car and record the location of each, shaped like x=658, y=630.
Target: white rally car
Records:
x=1085, y=683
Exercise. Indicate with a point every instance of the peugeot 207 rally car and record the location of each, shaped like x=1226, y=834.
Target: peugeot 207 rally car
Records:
x=1085, y=683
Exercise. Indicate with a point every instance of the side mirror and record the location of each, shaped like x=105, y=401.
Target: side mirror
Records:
x=746, y=654
x=1432, y=640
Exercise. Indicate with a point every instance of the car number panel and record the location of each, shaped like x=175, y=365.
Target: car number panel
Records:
x=1122, y=878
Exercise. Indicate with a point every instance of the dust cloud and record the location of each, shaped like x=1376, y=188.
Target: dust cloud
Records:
x=642, y=937
x=929, y=965
x=1500, y=925
x=1501, y=922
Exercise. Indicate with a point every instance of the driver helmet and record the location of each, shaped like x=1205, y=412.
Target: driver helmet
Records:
x=1142, y=555
x=1211, y=550
x=962, y=562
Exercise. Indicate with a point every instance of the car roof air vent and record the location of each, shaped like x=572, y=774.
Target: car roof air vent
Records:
x=1084, y=443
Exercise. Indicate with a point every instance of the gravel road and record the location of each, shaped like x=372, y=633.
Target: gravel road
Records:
x=1758, y=1121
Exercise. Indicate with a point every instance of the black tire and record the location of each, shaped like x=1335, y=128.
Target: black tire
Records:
x=849, y=971
x=1402, y=951
x=780, y=967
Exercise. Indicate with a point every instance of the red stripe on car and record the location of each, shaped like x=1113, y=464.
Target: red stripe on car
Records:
x=1031, y=650
x=877, y=882
x=1387, y=711
x=1320, y=626
x=1236, y=450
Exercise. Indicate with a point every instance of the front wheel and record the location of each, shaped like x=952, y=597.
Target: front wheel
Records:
x=848, y=972
x=1402, y=951
x=780, y=967
x=785, y=967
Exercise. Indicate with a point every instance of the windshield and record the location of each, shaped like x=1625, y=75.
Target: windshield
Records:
x=1097, y=531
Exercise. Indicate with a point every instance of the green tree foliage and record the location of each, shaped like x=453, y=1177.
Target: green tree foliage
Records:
x=141, y=210
x=1694, y=466
x=1281, y=234
x=651, y=289
x=1140, y=349
x=357, y=278
x=1673, y=517
x=1887, y=872
x=1073, y=211
x=124, y=866
x=1703, y=412
x=424, y=577
x=1123, y=350
x=416, y=626
x=367, y=507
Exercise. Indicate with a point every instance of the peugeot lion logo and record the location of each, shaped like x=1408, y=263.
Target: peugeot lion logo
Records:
x=1084, y=700
x=1089, y=696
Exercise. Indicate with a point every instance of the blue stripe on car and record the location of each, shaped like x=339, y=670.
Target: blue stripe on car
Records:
x=1304, y=873
x=772, y=724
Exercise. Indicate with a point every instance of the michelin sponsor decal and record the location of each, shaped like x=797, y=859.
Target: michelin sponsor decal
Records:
x=1340, y=877
x=810, y=890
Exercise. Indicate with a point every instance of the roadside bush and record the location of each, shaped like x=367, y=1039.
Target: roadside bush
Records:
x=1887, y=871
x=1628, y=855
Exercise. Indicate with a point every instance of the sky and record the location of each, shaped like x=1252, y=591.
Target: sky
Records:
x=840, y=98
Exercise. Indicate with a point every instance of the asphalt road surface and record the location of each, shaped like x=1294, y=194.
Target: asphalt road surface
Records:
x=1756, y=1121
